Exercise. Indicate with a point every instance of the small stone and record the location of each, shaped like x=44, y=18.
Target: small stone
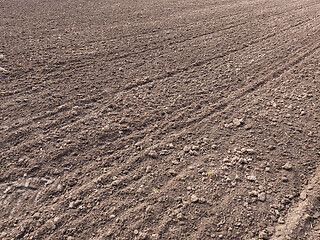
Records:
x=263, y=235
x=237, y=122
x=303, y=195
x=155, y=236
x=262, y=197
x=1, y=56
x=170, y=145
x=250, y=151
x=74, y=204
x=3, y=70
x=214, y=146
x=36, y=215
x=115, y=183
x=252, y=178
x=71, y=205
x=172, y=172
x=180, y=216
x=248, y=127
x=50, y=225
x=149, y=209
x=148, y=169
x=281, y=220
x=284, y=179
x=136, y=232
x=153, y=154
x=56, y=220
x=205, y=139
x=194, y=198
x=271, y=147
x=143, y=235
x=253, y=193
x=193, y=153
x=287, y=167
x=267, y=169
x=175, y=162
x=316, y=215
x=187, y=149
x=109, y=233
x=195, y=148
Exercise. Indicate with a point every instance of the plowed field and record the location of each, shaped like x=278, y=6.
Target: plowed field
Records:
x=160, y=119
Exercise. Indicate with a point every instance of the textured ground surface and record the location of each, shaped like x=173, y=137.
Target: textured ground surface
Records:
x=159, y=119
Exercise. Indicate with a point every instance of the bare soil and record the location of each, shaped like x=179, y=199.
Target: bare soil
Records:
x=161, y=119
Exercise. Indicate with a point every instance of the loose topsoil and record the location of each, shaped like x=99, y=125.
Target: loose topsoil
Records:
x=157, y=119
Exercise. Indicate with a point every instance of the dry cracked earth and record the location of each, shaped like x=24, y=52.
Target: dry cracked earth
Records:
x=147, y=119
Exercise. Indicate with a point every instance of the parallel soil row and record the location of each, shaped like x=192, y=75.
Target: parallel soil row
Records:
x=159, y=119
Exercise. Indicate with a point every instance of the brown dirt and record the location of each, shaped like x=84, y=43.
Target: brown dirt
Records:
x=159, y=119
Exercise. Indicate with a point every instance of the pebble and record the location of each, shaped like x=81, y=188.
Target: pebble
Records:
x=3, y=70
x=175, y=162
x=136, y=232
x=170, y=145
x=194, y=153
x=155, y=236
x=271, y=147
x=50, y=225
x=74, y=204
x=303, y=195
x=253, y=193
x=194, y=198
x=287, y=167
x=252, y=178
x=263, y=235
x=56, y=219
x=262, y=197
x=237, y=122
x=71, y=205
x=148, y=169
x=281, y=220
x=248, y=127
x=1, y=56
x=250, y=151
x=316, y=215
x=187, y=149
x=153, y=154
x=149, y=209
x=284, y=179
x=115, y=183
x=180, y=216
x=195, y=147
x=172, y=172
